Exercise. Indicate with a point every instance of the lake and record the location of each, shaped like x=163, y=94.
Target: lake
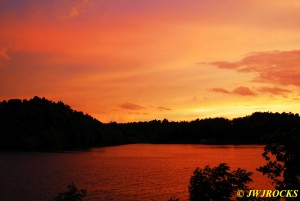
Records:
x=129, y=172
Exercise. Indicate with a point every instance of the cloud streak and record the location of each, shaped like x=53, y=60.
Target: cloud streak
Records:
x=161, y=108
x=246, y=91
x=132, y=106
x=279, y=67
x=274, y=90
x=4, y=57
x=242, y=91
x=3, y=54
x=220, y=90
x=76, y=9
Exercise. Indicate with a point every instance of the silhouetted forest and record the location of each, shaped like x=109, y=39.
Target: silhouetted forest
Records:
x=40, y=124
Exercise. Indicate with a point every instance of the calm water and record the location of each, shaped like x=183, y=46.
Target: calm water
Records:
x=128, y=172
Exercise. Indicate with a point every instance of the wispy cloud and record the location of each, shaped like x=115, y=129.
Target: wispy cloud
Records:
x=138, y=113
x=163, y=108
x=280, y=67
x=274, y=90
x=220, y=90
x=76, y=9
x=132, y=106
x=246, y=91
x=3, y=54
x=242, y=91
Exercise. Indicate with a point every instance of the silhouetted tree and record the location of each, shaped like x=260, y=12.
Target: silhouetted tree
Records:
x=72, y=194
x=283, y=160
x=173, y=199
x=218, y=183
x=40, y=124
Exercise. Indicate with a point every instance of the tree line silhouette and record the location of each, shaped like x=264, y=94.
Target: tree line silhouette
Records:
x=40, y=124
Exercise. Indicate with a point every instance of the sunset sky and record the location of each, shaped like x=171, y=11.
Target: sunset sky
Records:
x=139, y=60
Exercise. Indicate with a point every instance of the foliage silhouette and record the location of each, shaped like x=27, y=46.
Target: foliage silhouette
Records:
x=40, y=124
x=283, y=161
x=218, y=183
x=43, y=125
x=73, y=194
x=173, y=199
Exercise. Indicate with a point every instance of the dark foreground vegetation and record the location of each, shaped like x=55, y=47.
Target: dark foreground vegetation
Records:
x=72, y=194
x=42, y=125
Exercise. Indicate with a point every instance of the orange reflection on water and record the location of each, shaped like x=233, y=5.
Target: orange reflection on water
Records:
x=127, y=173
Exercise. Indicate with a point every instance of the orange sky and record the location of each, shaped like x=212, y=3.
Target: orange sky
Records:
x=139, y=60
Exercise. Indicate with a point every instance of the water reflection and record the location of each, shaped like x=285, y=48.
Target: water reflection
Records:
x=128, y=172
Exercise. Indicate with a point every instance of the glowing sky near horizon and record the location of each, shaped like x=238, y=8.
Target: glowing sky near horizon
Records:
x=139, y=60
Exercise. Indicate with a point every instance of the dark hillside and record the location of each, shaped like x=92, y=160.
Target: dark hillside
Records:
x=40, y=124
